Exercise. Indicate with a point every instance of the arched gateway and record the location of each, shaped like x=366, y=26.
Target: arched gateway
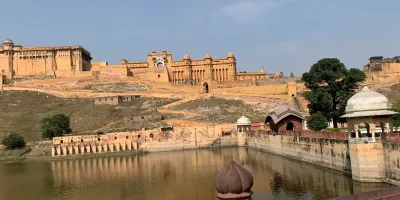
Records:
x=285, y=118
x=205, y=88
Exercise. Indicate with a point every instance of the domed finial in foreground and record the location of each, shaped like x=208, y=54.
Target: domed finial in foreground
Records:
x=234, y=182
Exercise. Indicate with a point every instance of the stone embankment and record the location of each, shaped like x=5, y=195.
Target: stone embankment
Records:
x=330, y=153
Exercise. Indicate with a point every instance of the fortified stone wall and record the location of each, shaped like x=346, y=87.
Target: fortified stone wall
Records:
x=329, y=153
x=282, y=89
x=382, y=70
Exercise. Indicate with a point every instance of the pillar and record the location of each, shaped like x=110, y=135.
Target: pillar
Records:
x=372, y=129
x=64, y=150
x=99, y=148
x=349, y=128
x=76, y=149
x=356, y=130
x=123, y=146
x=88, y=149
x=129, y=146
x=82, y=149
x=70, y=150
x=53, y=150
x=241, y=139
x=105, y=147
x=93, y=148
x=367, y=161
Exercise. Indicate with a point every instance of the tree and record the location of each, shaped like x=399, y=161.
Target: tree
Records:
x=317, y=122
x=13, y=141
x=56, y=125
x=331, y=85
x=396, y=118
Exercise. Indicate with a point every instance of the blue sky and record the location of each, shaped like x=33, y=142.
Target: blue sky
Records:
x=281, y=35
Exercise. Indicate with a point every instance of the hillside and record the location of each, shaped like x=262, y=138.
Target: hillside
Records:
x=392, y=92
x=219, y=110
x=22, y=111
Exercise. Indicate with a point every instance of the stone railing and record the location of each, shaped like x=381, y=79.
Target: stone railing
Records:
x=364, y=140
x=391, y=137
x=305, y=133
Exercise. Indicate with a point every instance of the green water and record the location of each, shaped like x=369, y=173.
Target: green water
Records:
x=178, y=175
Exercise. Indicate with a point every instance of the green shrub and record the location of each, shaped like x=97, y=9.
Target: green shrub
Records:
x=396, y=118
x=317, y=122
x=333, y=129
x=13, y=141
x=57, y=125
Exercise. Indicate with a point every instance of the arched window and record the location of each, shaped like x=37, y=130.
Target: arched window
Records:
x=290, y=126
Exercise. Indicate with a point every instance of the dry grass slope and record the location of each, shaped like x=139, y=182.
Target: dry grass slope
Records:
x=392, y=93
x=221, y=110
x=117, y=87
x=22, y=111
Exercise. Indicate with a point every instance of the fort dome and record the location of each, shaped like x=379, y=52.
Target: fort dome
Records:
x=207, y=55
x=154, y=51
x=186, y=57
x=163, y=50
x=243, y=121
x=367, y=103
x=230, y=55
x=8, y=41
x=234, y=182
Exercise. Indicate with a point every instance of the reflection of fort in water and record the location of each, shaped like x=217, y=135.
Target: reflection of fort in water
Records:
x=168, y=171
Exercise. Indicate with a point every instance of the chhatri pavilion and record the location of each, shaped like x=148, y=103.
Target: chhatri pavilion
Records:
x=370, y=110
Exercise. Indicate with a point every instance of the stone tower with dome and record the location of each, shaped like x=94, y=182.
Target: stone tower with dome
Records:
x=243, y=124
x=370, y=110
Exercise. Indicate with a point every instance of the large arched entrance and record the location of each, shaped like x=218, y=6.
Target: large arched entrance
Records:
x=205, y=88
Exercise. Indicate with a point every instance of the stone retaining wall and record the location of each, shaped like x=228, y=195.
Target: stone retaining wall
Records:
x=329, y=153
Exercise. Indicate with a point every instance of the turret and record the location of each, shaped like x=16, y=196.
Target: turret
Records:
x=188, y=66
x=232, y=66
x=8, y=47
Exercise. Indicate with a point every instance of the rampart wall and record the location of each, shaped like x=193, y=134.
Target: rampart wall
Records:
x=329, y=153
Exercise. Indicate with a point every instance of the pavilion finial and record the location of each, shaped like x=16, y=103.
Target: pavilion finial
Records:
x=365, y=89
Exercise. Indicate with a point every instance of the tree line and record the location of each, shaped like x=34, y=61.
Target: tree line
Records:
x=53, y=126
x=330, y=86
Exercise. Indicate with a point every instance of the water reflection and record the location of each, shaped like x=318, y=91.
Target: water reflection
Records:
x=179, y=175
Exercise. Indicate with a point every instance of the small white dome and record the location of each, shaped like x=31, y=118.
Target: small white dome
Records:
x=243, y=121
x=367, y=100
x=368, y=103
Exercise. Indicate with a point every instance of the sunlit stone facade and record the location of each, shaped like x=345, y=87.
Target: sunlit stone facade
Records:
x=62, y=61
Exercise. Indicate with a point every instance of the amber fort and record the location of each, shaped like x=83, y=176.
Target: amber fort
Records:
x=17, y=61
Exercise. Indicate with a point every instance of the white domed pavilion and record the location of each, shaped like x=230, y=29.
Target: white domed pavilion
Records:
x=243, y=124
x=371, y=110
